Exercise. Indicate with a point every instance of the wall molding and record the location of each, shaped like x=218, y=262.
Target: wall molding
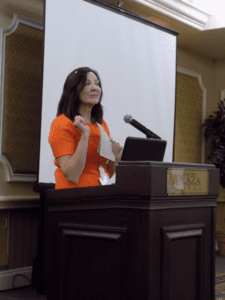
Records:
x=19, y=202
x=204, y=91
x=16, y=20
x=178, y=10
x=10, y=176
x=8, y=280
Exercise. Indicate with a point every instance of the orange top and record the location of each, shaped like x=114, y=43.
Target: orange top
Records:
x=64, y=138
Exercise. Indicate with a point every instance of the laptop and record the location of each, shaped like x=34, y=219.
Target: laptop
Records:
x=143, y=149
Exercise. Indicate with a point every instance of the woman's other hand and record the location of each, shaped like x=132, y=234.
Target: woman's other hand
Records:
x=80, y=123
x=117, y=150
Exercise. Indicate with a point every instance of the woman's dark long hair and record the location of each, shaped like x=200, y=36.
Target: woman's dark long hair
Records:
x=69, y=103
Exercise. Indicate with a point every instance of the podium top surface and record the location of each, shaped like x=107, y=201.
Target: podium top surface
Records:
x=167, y=164
x=149, y=185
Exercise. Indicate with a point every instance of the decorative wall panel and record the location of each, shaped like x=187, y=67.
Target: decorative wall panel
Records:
x=4, y=239
x=190, y=113
x=20, y=99
x=22, y=238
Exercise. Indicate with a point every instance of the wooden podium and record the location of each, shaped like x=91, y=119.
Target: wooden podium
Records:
x=149, y=236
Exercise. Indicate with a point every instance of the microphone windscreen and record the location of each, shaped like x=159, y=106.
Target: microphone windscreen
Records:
x=127, y=118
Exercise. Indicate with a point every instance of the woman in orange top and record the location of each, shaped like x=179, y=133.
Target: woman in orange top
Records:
x=74, y=135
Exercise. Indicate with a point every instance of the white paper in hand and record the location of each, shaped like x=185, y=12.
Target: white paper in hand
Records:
x=104, y=178
x=105, y=145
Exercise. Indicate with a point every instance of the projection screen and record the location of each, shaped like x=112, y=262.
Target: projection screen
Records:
x=136, y=61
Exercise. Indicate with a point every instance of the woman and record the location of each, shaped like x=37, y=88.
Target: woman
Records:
x=75, y=133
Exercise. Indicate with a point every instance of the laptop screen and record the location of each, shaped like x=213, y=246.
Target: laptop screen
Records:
x=143, y=149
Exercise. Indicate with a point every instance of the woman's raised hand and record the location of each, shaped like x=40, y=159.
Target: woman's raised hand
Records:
x=79, y=121
x=117, y=150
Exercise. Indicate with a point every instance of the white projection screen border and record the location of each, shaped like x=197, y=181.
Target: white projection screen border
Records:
x=136, y=61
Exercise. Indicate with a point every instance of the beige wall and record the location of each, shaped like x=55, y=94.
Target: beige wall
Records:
x=14, y=189
x=212, y=71
x=219, y=76
x=204, y=66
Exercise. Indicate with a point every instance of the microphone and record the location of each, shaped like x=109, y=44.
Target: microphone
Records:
x=137, y=125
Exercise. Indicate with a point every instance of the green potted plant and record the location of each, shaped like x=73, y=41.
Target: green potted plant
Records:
x=215, y=129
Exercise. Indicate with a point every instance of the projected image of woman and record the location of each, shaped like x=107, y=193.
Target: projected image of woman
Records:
x=75, y=133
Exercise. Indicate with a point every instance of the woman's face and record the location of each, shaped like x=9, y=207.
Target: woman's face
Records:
x=91, y=93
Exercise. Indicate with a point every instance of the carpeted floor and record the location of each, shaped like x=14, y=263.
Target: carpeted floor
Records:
x=24, y=293
x=220, y=286
x=220, y=277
